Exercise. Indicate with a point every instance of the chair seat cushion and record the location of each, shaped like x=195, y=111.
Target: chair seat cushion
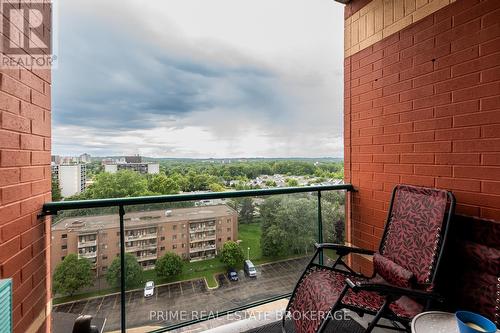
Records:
x=320, y=289
x=392, y=272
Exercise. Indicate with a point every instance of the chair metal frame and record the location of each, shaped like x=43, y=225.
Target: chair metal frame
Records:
x=390, y=292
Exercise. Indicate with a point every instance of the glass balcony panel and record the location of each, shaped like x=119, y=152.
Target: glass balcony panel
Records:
x=277, y=235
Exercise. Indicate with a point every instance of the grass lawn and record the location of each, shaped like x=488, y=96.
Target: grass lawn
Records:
x=192, y=270
x=250, y=234
x=77, y=297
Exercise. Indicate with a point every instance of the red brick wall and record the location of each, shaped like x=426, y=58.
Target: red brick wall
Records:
x=25, y=183
x=422, y=107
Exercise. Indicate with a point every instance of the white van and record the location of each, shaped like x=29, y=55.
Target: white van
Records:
x=249, y=269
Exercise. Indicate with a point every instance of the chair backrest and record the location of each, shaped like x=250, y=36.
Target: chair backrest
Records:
x=415, y=230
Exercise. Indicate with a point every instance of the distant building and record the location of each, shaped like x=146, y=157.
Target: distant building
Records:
x=133, y=159
x=142, y=168
x=107, y=160
x=55, y=159
x=192, y=233
x=72, y=178
x=85, y=158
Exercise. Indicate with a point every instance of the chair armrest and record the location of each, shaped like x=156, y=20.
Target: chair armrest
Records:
x=343, y=250
x=390, y=290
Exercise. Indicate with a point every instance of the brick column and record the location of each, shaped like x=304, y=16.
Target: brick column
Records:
x=25, y=184
x=422, y=106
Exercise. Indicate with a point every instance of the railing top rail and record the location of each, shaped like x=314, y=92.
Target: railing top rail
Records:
x=53, y=207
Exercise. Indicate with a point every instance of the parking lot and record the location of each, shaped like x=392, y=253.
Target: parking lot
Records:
x=188, y=299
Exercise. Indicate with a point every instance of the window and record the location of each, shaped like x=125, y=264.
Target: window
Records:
x=174, y=246
x=64, y=236
x=220, y=239
x=174, y=227
x=229, y=238
x=104, y=268
x=228, y=221
x=183, y=245
x=220, y=221
x=62, y=258
x=64, y=247
x=104, y=257
x=183, y=226
x=228, y=229
x=118, y=233
x=183, y=236
x=174, y=237
x=162, y=238
x=163, y=248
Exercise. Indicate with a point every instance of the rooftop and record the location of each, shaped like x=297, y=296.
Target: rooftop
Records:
x=147, y=218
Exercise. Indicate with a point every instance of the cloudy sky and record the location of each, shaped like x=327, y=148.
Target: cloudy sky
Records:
x=199, y=78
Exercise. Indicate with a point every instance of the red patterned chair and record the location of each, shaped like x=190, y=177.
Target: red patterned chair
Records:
x=405, y=268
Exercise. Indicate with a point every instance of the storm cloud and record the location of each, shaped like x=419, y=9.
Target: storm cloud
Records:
x=161, y=79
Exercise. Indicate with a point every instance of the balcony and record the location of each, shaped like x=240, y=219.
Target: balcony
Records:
x=203, y=229
x=202, y=239
x=129, y=238
x=87, y=255
x=202, y=248
x=147, y=257
x=279, y=276
x=87, y=243
x=135, y=248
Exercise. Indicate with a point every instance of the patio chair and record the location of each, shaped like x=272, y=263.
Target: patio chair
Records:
x=405, y=268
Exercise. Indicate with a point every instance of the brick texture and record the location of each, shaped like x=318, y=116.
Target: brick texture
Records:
x=436, y=120
x=25, y=113
x=368, y=22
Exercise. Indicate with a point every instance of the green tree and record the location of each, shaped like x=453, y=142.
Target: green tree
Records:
x=169, y=265
x=162, y=184
x=292, y=182
x=133, y=272
x=125, y=183
x=72, y=274
x=56, y=190
x=289, y=225
x=246, y=210
x=216, y=187
x=232, y=254
x=270, y=183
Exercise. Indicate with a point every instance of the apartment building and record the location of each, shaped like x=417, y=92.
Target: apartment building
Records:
x=195, y=233
x=142, y=168
x=72, y=178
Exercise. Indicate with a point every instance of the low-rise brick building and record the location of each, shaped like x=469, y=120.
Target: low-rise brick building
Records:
x=193, y=233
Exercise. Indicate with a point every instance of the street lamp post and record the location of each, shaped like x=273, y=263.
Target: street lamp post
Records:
x=248, y=253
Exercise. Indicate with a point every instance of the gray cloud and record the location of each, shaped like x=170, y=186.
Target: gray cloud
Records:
x=119, y=80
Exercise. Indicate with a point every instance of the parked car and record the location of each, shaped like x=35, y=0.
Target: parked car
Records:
x=232, y=275
x=250, y=269
x=149, y=289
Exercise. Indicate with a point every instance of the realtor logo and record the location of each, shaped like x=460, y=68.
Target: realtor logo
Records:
x=26, y=30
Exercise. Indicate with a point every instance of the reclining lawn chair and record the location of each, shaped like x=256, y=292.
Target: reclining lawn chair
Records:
x=405, y=268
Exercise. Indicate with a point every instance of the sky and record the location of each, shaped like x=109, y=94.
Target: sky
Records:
x=198, y=78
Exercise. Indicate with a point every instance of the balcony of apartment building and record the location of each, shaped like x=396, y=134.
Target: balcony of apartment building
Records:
x=141, y=234
x=146, y=255
x=87, y=252
x=202, y=237
x=87, y=240
x=421, y=107
x=196, y=227
x=137, y=245
x=202, y=247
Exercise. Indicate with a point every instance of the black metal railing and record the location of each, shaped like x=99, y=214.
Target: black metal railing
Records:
x=52, y=208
